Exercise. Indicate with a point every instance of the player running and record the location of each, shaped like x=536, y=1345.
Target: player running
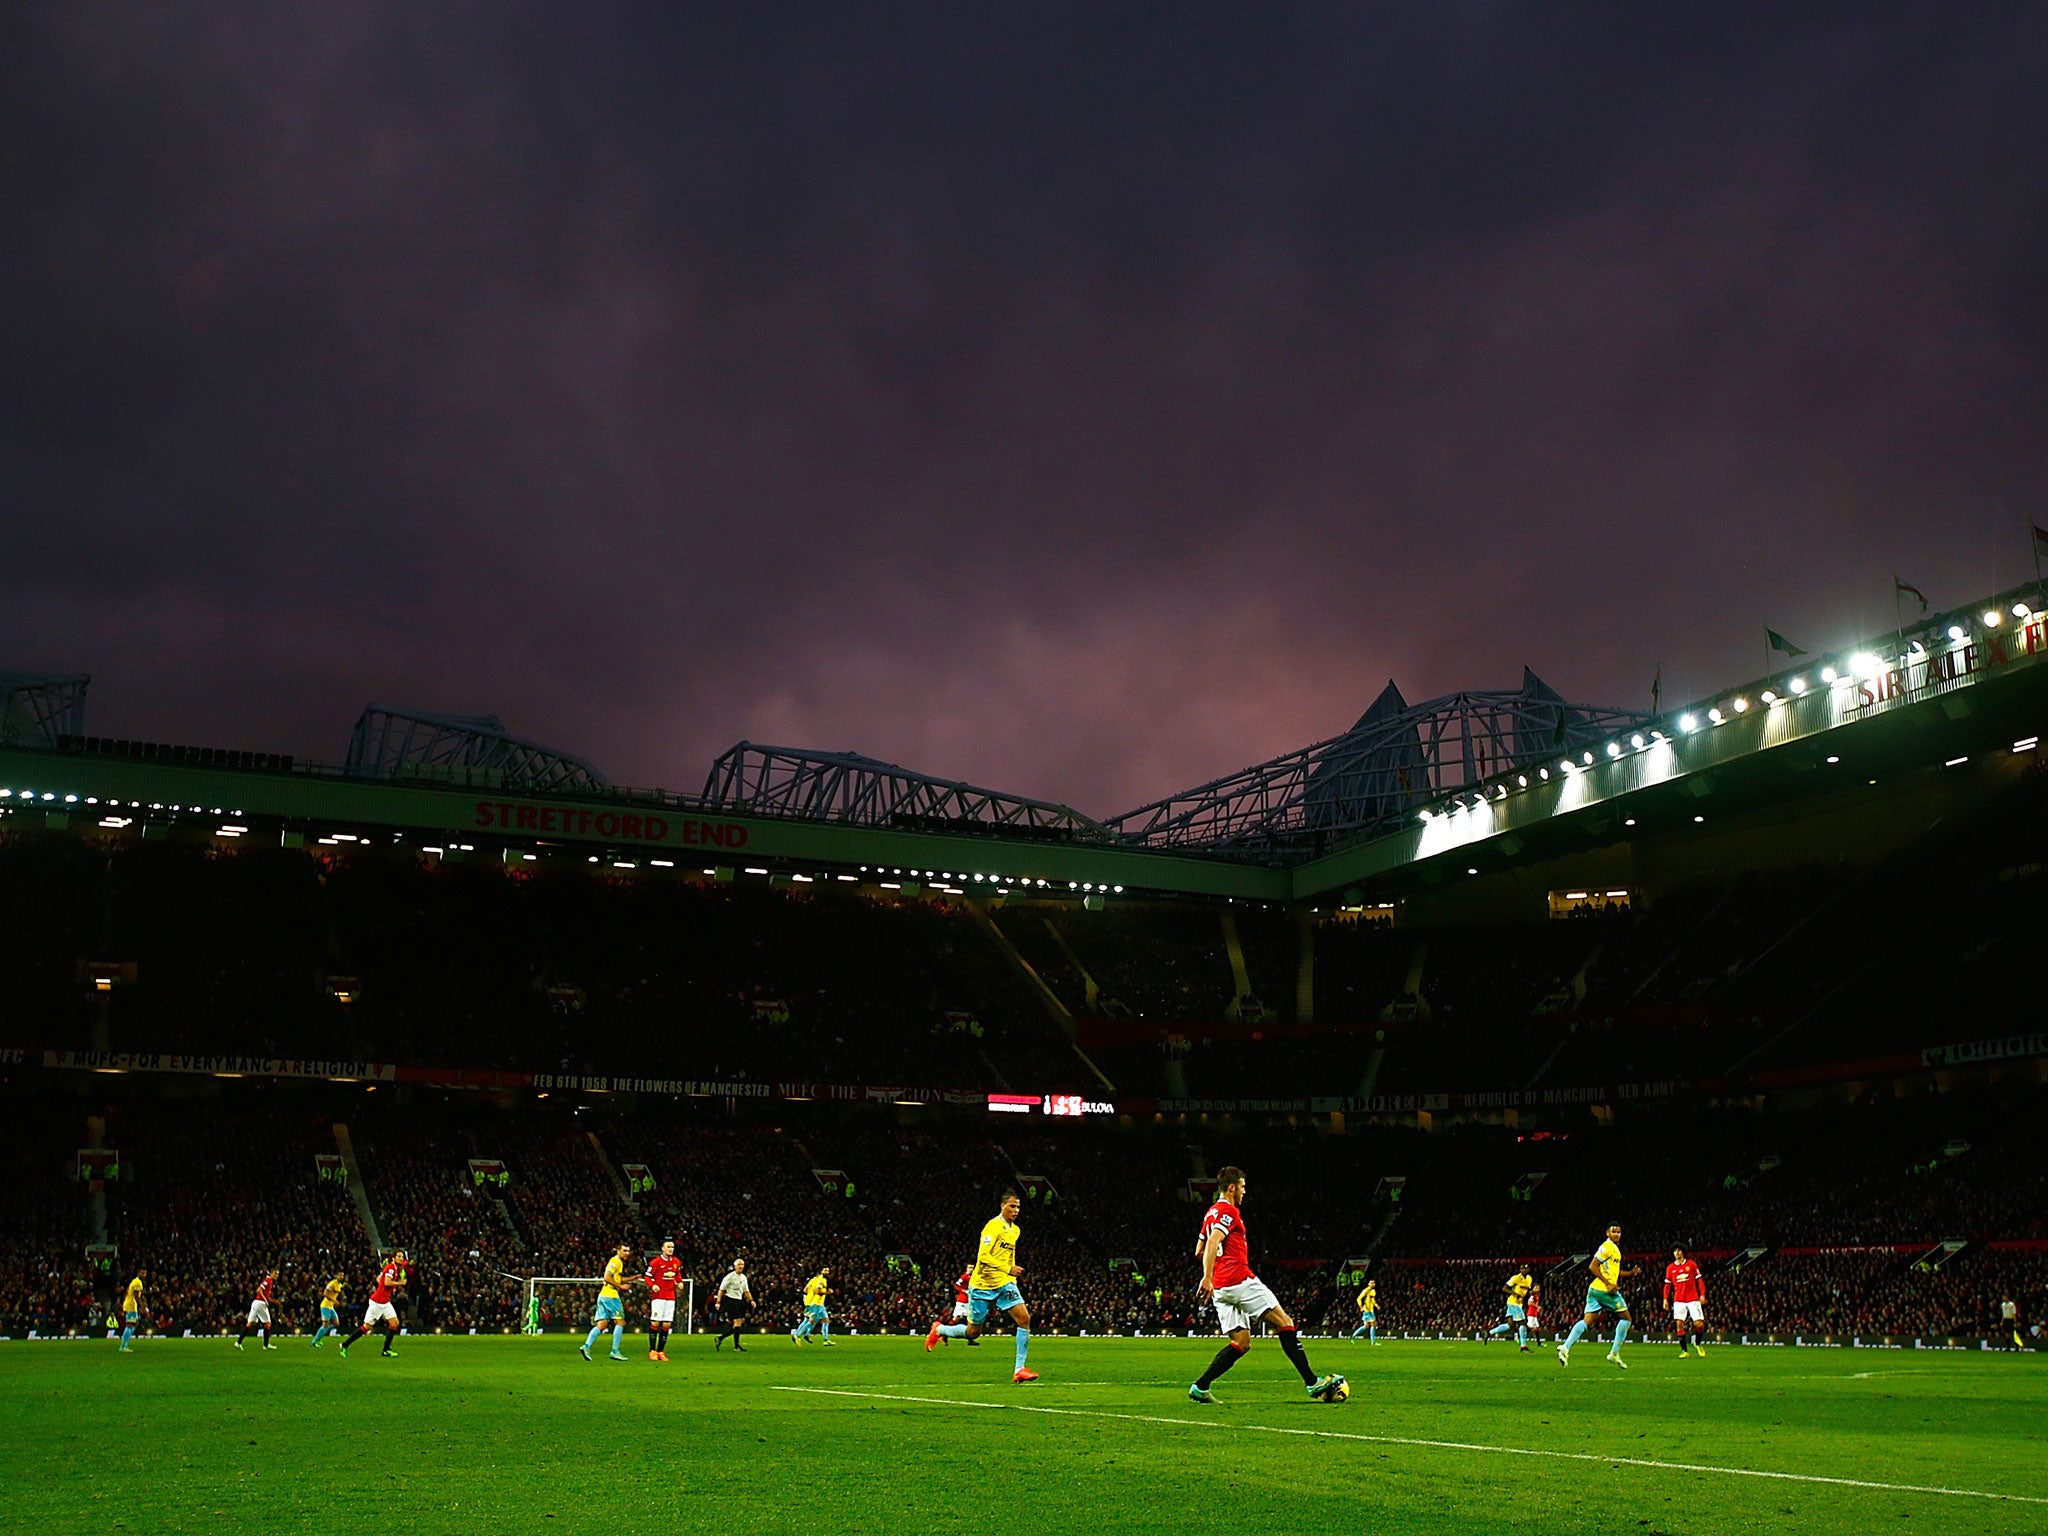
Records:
x=961, y=1303
x=815, y=1316
x=1516, y=1291
x=1241, y=1296
x=382, y=1308
x=330, y=1311
x=1603, y=1296
x=663, y=1271
x=259, y=1311
x=735, y=1301
x=1369, y=1314
x=992, y=1282
x=131, y=1310
x=1685, y=1292
x=611, y=1306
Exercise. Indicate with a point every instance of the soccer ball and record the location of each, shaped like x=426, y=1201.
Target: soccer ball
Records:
x=1337, y=1391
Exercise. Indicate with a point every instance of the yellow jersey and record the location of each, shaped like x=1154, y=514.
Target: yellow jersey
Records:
x=814, y=1291
x=330, y=1296
x=1369, y=1298
x=1519, y=1285
x=997, y=1253
x=1608, y=1276
x=133, y=1302
x=614, y=1277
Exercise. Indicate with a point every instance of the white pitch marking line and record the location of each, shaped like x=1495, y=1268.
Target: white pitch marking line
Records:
x=1438, y=1445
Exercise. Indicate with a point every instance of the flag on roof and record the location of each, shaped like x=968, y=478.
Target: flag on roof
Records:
x=1911, y=591
x=1779, y=643
x=2040, y=540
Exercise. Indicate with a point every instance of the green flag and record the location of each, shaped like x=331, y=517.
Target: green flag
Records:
x=1779, y=643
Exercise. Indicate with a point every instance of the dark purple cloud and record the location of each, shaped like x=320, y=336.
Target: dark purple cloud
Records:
x=1083, y=402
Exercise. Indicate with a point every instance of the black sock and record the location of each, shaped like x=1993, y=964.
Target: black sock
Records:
x=266, y=1335
x=1290, y=1343
x=1226, y=1357
x=348, y=1341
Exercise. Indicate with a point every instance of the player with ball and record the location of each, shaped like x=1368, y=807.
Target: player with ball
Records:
x=1240, y=1296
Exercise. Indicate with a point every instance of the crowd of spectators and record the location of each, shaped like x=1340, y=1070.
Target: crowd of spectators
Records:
x=46, y=1283
x=214, y=1194
x=215, y=1191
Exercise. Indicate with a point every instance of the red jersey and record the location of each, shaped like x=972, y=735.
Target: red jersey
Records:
x=1233, y=1259
x=661, y=1277
x=1682, y=1281
x=390, y=1276
x=263, y=1289
x=960, y=1286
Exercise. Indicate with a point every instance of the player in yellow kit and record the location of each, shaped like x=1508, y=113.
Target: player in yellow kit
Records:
x=1517, y=1290
x=131, y=1310
x=816, y=1289
x=993, y=1284
x=611, y=1306
x=1603, y=1296
x=330, y=1311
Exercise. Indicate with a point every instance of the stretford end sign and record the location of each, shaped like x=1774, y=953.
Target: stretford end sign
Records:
x=670, y=830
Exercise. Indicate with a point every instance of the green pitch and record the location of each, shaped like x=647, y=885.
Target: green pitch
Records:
x=520, y=1435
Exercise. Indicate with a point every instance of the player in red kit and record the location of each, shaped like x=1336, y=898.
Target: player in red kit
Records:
x=663, y=1270
x=1241, y=1296
x=1685, y=1289
x=259, y=1311
x=382, y=1308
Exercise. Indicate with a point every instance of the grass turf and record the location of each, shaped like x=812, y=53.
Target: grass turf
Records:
x=520, y=1435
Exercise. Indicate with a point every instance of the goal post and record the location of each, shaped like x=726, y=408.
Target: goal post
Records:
x=535, y=1286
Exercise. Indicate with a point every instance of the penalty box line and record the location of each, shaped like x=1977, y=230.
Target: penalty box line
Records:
x=1435, y=1445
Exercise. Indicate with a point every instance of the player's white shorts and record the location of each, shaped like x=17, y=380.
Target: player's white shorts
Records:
x=379, y=1312
x=959, y=1311
x=1684, y=1310
x=259, y=1314
x=659, y=1311
x=1240, y=1305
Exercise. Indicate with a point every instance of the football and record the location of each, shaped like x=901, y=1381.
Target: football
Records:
x=1337, y=1391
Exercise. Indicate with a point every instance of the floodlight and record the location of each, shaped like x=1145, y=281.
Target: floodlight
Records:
x=1698, y=819
x=1770, y=697
x=1834, y=759
x=1636, y=741
x=1991, y=618
x=1829, y=674
x=1543, y=773
x=1425, y=816
x=1715, y=716
x=2022, y=611
x=1957, y=632
x=1798, y=685
x=1688, y=723
x=1741, y=705
x=1589, y=759
x=1522, y=780
x=1614, y=748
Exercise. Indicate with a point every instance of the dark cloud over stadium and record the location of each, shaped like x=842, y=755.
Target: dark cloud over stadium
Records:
x=1079, y=400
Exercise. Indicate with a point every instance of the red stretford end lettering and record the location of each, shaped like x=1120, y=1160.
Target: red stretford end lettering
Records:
x=629, y=826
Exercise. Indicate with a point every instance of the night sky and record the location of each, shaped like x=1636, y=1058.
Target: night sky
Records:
x=1085, y=400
